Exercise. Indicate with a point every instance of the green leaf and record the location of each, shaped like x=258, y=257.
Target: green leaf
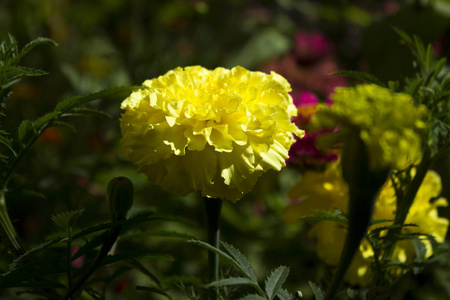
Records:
x=324, y=215
x=252, y=297
x=429, y=57
x=405, y=37
x=67, y=219
x=90, y=245
x=317, y=291
x=439, y=65
x=141, y=268
x=65, y=125
x=83, y=111
x=263, y=45
x=285, y=295
x=359, y=75
x=420, y=48
x=76, y=101
x=24, y=129
x=12, y=71
x=231, y=281
x=414, y=86
x=31, y=45
x=37, y=125
x=123, y=223
x=215, y=250
x=21, y=260
x=243, y=263
x=275, y=281
x=5, y=141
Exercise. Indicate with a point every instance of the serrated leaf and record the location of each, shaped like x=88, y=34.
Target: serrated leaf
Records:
x=359, y=75
x=285, y=295
x=13, y=71
x=24, y=129
x=45, y=119
x=317, y=291
x=31, y=45
x=231, y=281
x=243, y=263
x=5, y=141
x=67, y=219
x=24, y=257
x=76, y=101
x=275, y=281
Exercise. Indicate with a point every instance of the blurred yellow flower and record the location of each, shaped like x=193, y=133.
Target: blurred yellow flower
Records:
x=384, y=120
x=214, y=131
x=328, y=191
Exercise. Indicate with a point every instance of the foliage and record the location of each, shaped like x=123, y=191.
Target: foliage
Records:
x=57, y=157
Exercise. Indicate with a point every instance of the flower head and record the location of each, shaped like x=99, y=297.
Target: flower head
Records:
x=328, y=191
x=215, y=131
x=384, y=120
x=304, y=152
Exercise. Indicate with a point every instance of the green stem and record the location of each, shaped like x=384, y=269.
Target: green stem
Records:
x=111, y=238
x=212, y=214
x=404, y=204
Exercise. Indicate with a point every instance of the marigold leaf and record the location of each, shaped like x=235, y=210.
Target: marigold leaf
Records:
x=230, y=281
x=39, y=123
x=5, y=141
x=24, y=129
x=31, y=45
x=243, y=263
x=67, y=219
x=317, y=291
x=76, y=101
x=275, y=281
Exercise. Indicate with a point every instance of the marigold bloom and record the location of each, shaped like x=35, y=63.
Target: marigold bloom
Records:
x=384, y=120
x=215, y=131
x=328, y=191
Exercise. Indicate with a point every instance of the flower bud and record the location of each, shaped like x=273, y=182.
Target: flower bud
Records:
x=119, y=197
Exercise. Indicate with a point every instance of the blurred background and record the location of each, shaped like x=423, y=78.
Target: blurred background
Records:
x=108, y=43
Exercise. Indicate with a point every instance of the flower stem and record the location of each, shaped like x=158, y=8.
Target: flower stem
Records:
x=212, y=214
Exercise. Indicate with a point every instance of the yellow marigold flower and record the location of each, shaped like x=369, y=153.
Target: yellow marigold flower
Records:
x=385, y=121
x=328, y=191
x=215, y=131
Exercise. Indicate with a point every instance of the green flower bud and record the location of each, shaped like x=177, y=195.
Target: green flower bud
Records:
x=119, y=195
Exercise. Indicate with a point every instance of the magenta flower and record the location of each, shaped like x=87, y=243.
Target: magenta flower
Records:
x=304, y=152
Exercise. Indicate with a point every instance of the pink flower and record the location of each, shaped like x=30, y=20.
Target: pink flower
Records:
x=311, y=45
x=304, y=152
